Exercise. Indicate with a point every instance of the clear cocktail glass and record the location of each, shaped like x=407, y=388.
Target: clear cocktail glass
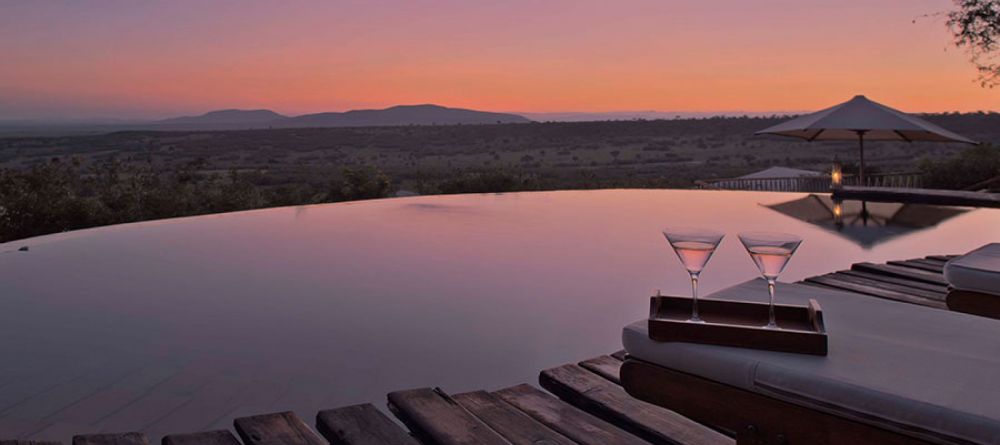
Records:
x=770, y=252
x=694, y=247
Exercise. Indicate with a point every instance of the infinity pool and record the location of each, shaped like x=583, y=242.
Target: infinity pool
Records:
x=181, y=325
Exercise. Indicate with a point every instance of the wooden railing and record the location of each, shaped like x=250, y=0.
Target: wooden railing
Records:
x=810, y=183
x=894, y=180
x=793, y=184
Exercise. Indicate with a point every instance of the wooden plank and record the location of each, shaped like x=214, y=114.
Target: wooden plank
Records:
x=941, y=257
x=604, y=366
x=903, y=272
x=111, y=439
x=566, y=419
x=620, y=355
x=938, y=296
x=284, y=428
x=936, y=288
x=875, y=292
x=916, y=264
x=218, y=437
x=361, y=425
x=610, y=402
x=434, y=417
x=515, y=426
x=939, y=265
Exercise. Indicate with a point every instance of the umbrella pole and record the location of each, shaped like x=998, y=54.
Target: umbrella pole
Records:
x=861, y=168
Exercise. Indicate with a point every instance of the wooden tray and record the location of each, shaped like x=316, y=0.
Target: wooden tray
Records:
x=739, y=323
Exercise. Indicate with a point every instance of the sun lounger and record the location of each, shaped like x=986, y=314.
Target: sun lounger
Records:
x=974, y=282
x=894, y=374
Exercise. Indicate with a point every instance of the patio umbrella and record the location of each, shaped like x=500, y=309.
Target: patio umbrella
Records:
x=863, y=119
x=866, y=224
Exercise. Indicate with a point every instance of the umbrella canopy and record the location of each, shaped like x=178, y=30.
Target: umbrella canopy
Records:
x=862, y=119
x=866, y=224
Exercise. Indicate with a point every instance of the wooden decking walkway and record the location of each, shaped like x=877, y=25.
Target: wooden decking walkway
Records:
x=916, y=281
x=919, y=196
x=585, y=404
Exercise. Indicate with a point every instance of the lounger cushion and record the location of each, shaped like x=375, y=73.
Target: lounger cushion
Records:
x=977, y=271
x=929, y=373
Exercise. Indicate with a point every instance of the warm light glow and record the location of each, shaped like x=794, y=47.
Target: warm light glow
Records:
x=162, y=58
x=836, y=176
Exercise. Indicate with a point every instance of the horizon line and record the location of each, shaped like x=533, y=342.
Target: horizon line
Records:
x=681, y=113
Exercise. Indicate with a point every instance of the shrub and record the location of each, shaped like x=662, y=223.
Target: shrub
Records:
x=487, y=181
x=361, y=183
x=968, y=168
x=57, y=196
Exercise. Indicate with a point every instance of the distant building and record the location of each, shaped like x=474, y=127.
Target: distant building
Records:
x=780, y=172
x=784, y=179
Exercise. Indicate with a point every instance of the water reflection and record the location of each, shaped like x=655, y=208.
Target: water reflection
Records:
x=866, y=223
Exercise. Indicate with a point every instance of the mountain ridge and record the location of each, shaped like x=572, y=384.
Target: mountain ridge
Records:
x=421, y=114
x=227, y=116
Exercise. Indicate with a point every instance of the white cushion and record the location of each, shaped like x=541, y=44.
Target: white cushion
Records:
x=978, y=270
x=915, y=370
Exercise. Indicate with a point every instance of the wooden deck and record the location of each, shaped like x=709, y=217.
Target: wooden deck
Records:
x=581, y=403
x=584, y=404
x=915, y=281
x=919, y=196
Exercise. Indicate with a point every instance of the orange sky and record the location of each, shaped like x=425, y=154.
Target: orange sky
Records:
x=155, y=59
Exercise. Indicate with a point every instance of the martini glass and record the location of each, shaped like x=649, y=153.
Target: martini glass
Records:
x=770, y=252
x=694, y=247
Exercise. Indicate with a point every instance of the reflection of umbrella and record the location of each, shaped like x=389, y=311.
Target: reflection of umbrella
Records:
x=866, y=224
x=862, y=119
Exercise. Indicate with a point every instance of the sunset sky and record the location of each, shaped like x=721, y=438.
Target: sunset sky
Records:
x=144, y=59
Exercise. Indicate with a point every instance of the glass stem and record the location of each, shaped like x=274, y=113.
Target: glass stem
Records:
x=770, y=290
x=694, y=297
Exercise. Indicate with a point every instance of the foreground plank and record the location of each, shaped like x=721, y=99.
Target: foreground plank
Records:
x=361, y=425
x=515, y=426
x=218, y=437
x=566, y=419
x=604, y=366
x=436, y=418
x=284, y=428
x=610, y=402
x=111, y=439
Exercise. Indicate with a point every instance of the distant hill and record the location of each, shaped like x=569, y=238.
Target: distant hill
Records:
x=403, y=115
x=398, y=115
x=226, y=117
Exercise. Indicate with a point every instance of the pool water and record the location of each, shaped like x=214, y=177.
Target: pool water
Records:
x=181, y=325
